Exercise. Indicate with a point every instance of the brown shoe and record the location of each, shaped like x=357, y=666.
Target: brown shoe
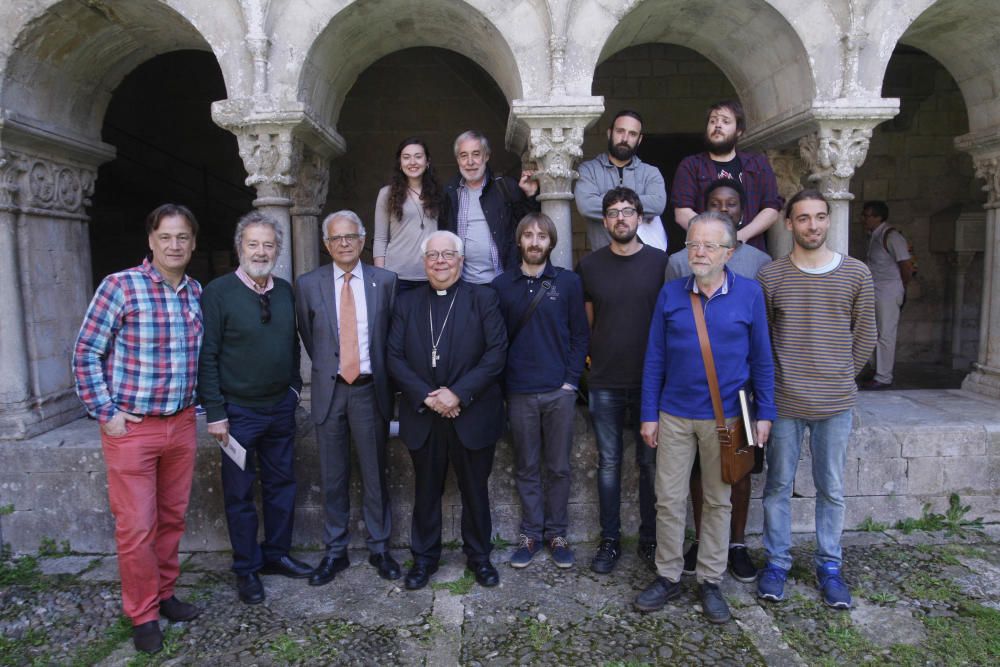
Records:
x=147, y=637
x=176, y=611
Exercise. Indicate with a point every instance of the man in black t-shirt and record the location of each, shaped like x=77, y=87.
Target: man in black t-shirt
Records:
x=620, y=285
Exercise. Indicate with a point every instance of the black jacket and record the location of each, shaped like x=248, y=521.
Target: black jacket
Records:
x=502, y=210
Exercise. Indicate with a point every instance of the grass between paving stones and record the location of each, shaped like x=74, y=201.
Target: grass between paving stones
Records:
x=288, y=649
x=171, y=647
x=460, y=586
x=953, y=521
x=870, y=525
x=93, y=653
x=23, y=650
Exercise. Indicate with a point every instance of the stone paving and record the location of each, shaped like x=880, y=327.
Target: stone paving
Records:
x=920, y=598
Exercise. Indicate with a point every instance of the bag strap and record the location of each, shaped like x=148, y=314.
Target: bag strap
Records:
x=546, y=284
x=706, y=356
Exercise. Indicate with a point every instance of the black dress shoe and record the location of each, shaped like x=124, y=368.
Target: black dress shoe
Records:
x=147, y=637
x=287, y=566
x=386, y=565
x=419, y=575
x=250, y=588
x=327, y=570
x=176, y=611
x=486, y=574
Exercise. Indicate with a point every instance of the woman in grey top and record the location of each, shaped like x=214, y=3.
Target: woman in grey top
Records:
x=406, y=212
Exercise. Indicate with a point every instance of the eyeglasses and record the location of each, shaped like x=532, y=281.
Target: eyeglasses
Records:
x=265, y=308
x=710, y=247
x=613, y=214
x=350, y=239
x=434, y=255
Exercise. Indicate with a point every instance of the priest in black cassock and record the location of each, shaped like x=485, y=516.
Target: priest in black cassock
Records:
x=447, y=349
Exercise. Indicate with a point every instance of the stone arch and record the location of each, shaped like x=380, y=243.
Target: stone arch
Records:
x=753, y=43
x=364, y=31
x=960, y=34
x=64, y=62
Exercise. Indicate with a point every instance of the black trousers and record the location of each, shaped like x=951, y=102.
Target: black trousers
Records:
x=430, y=470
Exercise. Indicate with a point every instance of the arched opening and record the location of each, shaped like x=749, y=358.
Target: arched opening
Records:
x=933, y=194
x=671, y=86
x=168, y=150
x=431, y=93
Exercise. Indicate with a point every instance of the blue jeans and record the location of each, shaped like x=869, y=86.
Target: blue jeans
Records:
x=828, y=441
x=610, y=411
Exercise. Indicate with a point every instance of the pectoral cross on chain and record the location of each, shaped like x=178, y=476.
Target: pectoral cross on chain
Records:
x=434, y=358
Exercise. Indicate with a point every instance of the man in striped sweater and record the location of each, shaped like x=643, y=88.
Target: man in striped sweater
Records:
x=820, y=307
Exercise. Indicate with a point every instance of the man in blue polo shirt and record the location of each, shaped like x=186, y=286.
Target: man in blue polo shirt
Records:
x=548, y=332
x=677, y=414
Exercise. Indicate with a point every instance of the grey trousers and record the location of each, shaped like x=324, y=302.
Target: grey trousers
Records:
x=542, y=426
x=353, y=416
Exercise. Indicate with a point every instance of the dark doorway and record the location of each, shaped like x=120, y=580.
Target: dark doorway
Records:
x=169, y=150
x=666, y=152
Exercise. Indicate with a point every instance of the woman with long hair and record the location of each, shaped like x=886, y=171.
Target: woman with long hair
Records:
x=406, y=212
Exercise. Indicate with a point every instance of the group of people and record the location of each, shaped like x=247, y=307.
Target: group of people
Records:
x=463, y=325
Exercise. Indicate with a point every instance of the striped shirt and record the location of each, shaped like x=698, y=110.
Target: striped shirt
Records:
x=822, y=333
x=137, y=350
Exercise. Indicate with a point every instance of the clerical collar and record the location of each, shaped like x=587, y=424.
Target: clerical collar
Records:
x=445, y=292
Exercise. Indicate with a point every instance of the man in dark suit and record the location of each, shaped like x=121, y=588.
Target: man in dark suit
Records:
x=343, y=311
x=447, y=348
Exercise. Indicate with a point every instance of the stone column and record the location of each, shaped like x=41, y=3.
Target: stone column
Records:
x=788, y=169
x=831, y=155
x=985, y=375
x=555, y=140
x=271, y=157
x=960, y=262
x=15, y=380
x=308, y=196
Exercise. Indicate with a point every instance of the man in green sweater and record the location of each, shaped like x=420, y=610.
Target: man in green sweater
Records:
x=249, y=384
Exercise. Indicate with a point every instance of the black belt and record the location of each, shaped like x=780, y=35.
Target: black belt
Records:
x=360, y=381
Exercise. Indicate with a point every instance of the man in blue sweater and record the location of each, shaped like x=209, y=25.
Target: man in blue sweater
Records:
x=677, y=414
x=548, y=334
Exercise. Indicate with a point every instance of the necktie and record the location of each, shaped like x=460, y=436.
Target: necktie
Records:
x=350, y=354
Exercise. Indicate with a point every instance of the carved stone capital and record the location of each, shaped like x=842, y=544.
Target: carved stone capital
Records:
x=832, y=154
x=789, y=168
x=12, y=167
x=988, y=169
x=43, y=185
x=556, y=150
x=309, y=193
x=271, y=157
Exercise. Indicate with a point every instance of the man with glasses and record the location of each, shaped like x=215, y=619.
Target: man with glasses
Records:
x=678, y=416
x=446, y=352
x=620, y=284
x=136, y=365
x=249, y=384
x=343, y=313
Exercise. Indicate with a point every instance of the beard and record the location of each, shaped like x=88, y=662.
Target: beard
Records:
x=623, y=236
x=257, y=270
x=809, y=243
x=720, y=146
x=620, y=151
x=535, y=259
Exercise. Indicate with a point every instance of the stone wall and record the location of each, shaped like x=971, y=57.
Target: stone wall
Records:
x=914, y=166
x=907, y=449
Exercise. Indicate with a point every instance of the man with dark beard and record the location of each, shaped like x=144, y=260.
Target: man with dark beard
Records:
x=620, y=285
x=547, y=330
x=249, y=383
x=725, y=125
x=621, y=167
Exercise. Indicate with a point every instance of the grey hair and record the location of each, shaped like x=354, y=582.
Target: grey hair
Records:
x=347, y=215
x=473, y=135
x=257, y=218
x=717, y=216
x=442, y=233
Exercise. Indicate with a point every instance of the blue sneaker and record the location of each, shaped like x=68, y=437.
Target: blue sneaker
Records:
x=771, y=583
x=836, y=594
x=527, y=547
x=561, y=554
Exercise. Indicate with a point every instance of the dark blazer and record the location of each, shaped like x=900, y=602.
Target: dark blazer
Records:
x=503, y=205
x=473, y=364
x=316, y=311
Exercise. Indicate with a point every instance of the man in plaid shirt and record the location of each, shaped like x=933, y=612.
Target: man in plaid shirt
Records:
x=136, y=366
x=726, y=124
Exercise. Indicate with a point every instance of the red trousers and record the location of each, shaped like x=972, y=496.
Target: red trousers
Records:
x=149, y=486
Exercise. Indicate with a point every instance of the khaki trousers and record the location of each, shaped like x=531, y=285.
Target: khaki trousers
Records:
x=677, y=442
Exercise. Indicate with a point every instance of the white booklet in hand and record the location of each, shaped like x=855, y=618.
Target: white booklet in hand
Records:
x=235, y=451
x=748, y=421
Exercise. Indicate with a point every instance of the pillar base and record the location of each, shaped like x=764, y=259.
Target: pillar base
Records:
x=27, y=419
x=983, y=380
